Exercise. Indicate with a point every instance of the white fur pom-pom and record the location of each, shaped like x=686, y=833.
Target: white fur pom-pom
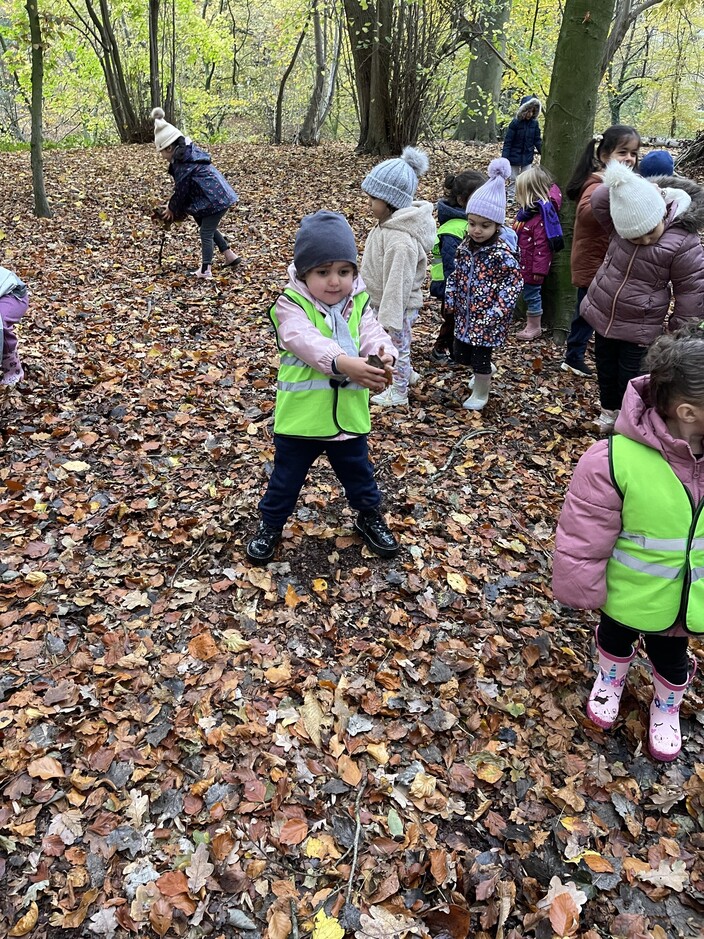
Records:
x=617, y=174
x=416, y=159
x=157, y=114
x=499, y=168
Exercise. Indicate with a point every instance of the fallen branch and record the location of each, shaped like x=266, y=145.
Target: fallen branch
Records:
x=448, y=462
x=357, y=834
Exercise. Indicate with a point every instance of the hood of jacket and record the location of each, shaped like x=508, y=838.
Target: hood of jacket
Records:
x=528, y=102
x=690, y=217
x=295, y=283
x=417, y=221
x=639, y=421
x=194, y=154
x=447, y=211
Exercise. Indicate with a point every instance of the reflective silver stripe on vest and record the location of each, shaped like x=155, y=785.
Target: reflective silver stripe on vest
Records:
x=696, y=573
x=657, y=570
x=656, y=544
x=288, y=358
x=697, y=544
x=314, y=385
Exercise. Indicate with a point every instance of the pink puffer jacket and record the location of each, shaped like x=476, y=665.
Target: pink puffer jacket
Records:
x=590, y=521
x=630, y=296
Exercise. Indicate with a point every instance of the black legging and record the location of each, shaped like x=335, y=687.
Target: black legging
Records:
x=668, y=654
x=617, y=362
x=208, y=234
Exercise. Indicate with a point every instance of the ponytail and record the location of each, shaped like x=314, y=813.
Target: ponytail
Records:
x=596, y=155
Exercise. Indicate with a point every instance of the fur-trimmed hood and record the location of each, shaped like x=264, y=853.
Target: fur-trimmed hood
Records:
x=692, y=218
x=528, y=102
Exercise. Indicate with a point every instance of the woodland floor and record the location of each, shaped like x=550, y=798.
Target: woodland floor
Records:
x=191, y=746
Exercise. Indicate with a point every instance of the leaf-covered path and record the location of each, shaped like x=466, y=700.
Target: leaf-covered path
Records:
x=191, y=746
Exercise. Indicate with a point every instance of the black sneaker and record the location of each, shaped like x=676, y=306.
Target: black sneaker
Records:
x=260, y=549
x=377, y=534
x=577, y=368
x=437, y=355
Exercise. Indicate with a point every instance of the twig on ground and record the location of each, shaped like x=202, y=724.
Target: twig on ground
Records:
x=200, y=547
x=357, y=833
x=294, y=919
x=453, y=453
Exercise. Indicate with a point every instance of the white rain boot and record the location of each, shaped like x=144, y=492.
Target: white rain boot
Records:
x=605, y=697
x=470, y=384
x=204, y=273
x=664, y=736
x=532, y=329
x=480, y=393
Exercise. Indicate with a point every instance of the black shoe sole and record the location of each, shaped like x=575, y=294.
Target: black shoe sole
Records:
x=260, y=562
x=377, y=549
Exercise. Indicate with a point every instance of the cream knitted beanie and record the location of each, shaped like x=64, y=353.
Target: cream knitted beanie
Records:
x=636, y=205
x=164, y=133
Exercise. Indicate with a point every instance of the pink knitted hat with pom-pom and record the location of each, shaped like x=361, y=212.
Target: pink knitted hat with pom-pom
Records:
x=489, y=201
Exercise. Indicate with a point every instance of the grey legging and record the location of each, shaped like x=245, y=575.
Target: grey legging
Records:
x=208, y=234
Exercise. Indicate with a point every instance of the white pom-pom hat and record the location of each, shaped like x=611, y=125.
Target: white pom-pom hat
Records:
x=164, y=133
x=489, y=201
x=395, y=181
x=636, y=205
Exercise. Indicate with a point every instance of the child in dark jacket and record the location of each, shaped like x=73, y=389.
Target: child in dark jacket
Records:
x=522, y=140
x=539, y=235
x=452, y=227
x=200, y=190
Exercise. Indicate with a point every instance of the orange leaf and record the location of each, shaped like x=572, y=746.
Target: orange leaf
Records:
x=595, y=862
x=564, y=915
x=292, y=599
x=294, y=831
x=349, y=770
x=46, y=767
x=279, y=925
x=172, y=883
x=27, y=922
x=203, y=647
x=160, y=916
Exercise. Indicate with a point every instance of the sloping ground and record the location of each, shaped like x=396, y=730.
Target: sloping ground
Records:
x=191, y=746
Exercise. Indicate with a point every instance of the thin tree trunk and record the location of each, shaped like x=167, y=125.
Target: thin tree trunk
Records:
x=154, y=76
x=282, y=87
x=569, y=123
x=309, y=133
x=41, y=203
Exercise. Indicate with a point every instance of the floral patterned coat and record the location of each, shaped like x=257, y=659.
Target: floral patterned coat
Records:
x=482, y=292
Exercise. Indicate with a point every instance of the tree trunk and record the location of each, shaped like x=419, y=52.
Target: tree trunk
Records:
x=154, y=76
x=309, y=134
x=483, y=84
x=41, y=203
x=278, y=133
x=369, y=29
x=569, y=123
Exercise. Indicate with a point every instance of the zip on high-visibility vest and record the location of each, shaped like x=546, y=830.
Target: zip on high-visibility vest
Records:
x=453, y=226
x=308, y=402
x=655, y=575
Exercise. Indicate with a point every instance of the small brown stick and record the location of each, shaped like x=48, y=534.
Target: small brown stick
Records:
x=357, y=833
x=448, y=462
x=294, y=920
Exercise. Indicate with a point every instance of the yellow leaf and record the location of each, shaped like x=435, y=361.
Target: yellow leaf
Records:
x=555, y=409
x=292, y=599
x=312, y=715
x=489, y=773
x=320, y=585
x=457, y=582
x=75, y=466
x=423, y=785
x=234, y=641
x=379, y=752
x=36, y=578
x=326, y=927
x=27, y=922
x=315, y=848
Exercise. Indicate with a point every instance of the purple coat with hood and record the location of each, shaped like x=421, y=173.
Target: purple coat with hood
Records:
x=590, y=521
x=630, y=296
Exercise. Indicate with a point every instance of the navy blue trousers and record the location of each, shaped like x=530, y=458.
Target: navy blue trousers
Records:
x=580, y=333
x=294, y=456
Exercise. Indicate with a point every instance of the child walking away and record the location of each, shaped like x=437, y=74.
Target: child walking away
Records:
x=539, y=236
x=200, y=190
x=590, y=240
x=395, y=258
x=452, y=227
x=522, y=140
x=483, y=289
x=14, y=300
x=654, y=255
x=630, y=536
x=325, y=329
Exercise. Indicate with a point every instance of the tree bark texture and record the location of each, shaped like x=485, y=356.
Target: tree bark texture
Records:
x=327, y=55
x=483, y=84
x=569, y=123
x=41, y=203
x=278, y=132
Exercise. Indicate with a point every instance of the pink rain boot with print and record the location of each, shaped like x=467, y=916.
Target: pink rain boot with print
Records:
x=664, y=736
x=605, y=698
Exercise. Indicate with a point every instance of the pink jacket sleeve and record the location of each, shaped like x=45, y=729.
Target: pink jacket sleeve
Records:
x=555, y=196
x=600, y=207
x=590, y=523
x=687, y=276
x=298, y=335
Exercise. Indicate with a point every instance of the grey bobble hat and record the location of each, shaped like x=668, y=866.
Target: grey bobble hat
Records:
x=164, y=133
x=636, y=205
x=323, y=237
x=395, y=181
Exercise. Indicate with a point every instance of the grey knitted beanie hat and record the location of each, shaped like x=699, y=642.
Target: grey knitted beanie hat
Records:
x=395, y=181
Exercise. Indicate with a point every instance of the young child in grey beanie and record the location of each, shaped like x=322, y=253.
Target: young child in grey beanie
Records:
x=325, y=330
x=654, y=255
x=395, y=258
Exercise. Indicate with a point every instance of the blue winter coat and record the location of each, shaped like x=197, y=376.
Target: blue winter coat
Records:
x=522, y=138
x=199, y=188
